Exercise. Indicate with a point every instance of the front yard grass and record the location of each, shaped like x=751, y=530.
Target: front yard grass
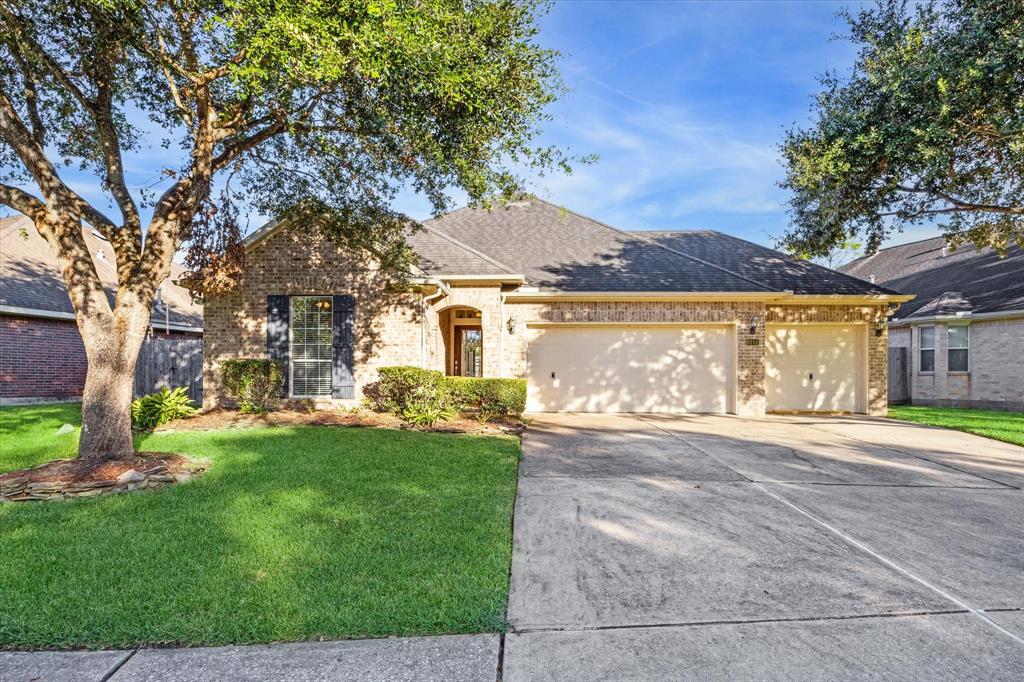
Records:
x=295, y=533
x=1004, y=426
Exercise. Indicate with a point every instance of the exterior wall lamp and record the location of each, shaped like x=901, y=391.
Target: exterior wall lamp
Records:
x=879, y=326
x=511, y=326
x=754, y=321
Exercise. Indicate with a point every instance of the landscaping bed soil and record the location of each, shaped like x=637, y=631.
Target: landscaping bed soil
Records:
x=220, y=418
x=69, y=478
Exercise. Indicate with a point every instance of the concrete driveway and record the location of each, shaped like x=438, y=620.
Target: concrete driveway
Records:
x=653, y=547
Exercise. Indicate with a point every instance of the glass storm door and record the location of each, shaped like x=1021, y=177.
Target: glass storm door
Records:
x=472, y=351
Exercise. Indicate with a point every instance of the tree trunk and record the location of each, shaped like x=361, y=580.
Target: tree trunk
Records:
x=109, y=382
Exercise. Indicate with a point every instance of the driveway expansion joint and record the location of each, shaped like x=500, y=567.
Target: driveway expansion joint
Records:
x=980, y=613
x=741, y=621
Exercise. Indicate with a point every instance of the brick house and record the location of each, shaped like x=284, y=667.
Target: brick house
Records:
x=964, y=333
x=596, y=319
x=42, y=358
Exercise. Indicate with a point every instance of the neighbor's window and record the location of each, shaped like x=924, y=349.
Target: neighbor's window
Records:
x=312, y=350
x=959, y=341
x=927, y=349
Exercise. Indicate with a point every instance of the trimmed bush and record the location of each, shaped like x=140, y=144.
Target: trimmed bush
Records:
x=253, y=383
x=399, y=387
x=150, y=411
x=493, y=397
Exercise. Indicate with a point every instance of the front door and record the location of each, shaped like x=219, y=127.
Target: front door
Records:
x=469, y=356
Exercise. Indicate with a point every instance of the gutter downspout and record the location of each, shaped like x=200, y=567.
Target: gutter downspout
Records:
x=442, y=290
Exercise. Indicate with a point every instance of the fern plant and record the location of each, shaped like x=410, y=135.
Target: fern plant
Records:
x=150, y=411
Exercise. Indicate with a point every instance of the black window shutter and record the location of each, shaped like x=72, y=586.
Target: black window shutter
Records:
x=278, y=314
x=343, y=384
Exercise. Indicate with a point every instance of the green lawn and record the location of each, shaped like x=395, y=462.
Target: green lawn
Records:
x=1004, y=426
x=294, y=534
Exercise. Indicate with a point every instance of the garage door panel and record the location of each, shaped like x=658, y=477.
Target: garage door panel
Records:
x=631, y=369
x=814, y=367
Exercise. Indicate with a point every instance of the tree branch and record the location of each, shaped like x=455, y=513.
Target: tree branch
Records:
x=959, y=205
x=52, y=66
x=21, y=201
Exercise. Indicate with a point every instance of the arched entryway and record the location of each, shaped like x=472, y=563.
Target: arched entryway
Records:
x=463, y=334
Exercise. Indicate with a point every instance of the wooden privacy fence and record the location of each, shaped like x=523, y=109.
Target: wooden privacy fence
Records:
x=899, y=376
x=170, y=362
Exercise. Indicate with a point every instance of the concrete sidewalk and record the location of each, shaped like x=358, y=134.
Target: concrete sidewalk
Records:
x=469, y=658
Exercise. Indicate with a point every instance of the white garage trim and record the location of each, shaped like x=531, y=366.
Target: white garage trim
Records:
x=785, y=387
x=693, y=370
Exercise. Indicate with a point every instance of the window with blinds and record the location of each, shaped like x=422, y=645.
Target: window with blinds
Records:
x=311, y=346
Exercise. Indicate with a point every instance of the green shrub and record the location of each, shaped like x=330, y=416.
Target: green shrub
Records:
x=493, y=397
x=253, y=383
x=398, y=386
x=150, y=411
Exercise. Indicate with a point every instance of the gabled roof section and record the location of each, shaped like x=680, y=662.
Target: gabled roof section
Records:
x=31, y=280
x=559, y=250
x=759, y=263
x=440, y=254
x=946, y=303
x=981, y=279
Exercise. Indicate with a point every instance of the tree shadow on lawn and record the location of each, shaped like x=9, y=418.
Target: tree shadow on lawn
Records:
x=293, y=534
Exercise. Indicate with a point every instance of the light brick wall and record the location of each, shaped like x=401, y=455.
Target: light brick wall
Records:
x=388, y=329
x=393, y=329
x=996, y=376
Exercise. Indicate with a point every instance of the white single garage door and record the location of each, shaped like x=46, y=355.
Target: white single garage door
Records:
x=630, y=369
x=815, y=367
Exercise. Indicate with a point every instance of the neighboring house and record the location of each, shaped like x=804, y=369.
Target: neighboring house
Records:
x=965, y=330
x=41, y=352
x=596, y=319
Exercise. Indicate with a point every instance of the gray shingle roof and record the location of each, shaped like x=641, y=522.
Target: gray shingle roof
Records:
x=945, y=280
x=439, y=253
x=561, y=250
x=772, y=268
x=29, y=277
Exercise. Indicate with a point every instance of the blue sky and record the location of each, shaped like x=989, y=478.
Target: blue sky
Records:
x=684, y=103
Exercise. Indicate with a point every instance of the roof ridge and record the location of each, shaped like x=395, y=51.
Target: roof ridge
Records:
x=661, y=246
x=896, y=246
x=467, y=248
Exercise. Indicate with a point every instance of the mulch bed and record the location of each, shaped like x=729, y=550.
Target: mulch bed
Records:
x=72, y=478
x=78, y=470
x=220, y=418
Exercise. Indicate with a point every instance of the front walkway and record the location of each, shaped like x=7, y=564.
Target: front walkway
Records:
x=652, y=548
x=783, y=548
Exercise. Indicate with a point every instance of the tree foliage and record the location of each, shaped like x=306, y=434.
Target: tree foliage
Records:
x=928, y=128
x=315, y=111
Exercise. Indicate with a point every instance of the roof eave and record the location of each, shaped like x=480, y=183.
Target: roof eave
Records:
x=765, y=296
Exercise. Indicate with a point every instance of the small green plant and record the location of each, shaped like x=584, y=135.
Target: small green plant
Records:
x=308, y=405
x=150, y=411
x=254, y=384
x=400, y=385
x=425, y=412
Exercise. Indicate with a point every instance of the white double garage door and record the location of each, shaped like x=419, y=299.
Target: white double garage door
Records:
x=692, y=369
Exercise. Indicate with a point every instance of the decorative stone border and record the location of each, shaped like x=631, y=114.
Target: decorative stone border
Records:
x=21, y=489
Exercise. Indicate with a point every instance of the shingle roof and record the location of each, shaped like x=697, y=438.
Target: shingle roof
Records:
x=561, y=250
x=772, y=268
x=29, y=277
x=945, y=280
x=440, y=253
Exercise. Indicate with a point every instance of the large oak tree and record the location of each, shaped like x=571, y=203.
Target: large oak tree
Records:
x=928, y=128
x=312, y=110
